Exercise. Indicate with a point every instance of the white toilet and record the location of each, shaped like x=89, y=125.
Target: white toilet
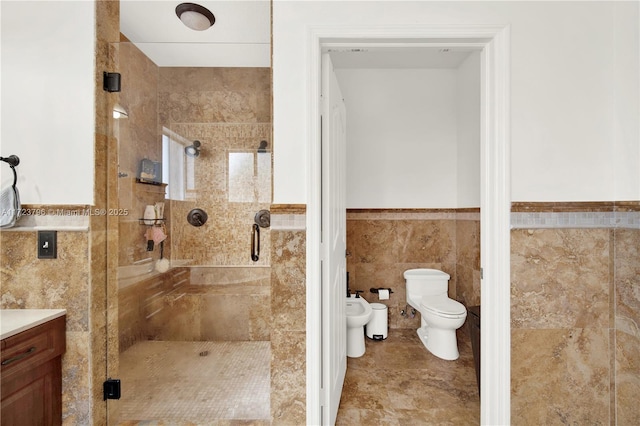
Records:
x=427, y=293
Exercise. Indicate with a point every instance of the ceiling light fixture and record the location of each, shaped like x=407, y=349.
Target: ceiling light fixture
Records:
x=194, y=16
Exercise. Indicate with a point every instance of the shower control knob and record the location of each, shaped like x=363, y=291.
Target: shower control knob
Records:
x=197, y=217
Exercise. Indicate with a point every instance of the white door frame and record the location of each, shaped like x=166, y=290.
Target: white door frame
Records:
x=495, y=198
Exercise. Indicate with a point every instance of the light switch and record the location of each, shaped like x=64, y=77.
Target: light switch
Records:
x=47, y=245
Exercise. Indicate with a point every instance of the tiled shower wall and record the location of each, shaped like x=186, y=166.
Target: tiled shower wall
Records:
x=382, y=244
x=575, y=311
x=229, y=111
x=196, y=304
x=138, y=138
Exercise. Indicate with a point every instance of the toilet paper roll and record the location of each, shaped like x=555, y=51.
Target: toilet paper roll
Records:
x=383, y=294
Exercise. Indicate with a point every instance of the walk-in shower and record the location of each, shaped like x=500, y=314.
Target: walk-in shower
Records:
x=209, y=130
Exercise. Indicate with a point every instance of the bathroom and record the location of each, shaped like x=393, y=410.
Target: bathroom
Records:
x=577, y=374
x=412, y=211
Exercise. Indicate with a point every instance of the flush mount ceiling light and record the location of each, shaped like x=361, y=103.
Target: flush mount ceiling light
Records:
x=194, y=16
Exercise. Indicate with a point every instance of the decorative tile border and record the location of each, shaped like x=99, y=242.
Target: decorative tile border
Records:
x=288, y=222
x=288, y=217
x=629, y=220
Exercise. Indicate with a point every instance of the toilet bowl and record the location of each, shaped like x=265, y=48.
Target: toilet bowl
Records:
x=358, y=313
x=441, y=316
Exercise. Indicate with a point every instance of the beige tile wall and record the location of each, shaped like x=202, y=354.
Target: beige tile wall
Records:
x=138, y=138
x=61, y=283
x=560, y=326
x=197, y=304
x=382, y=244
x=156, y=308
x=574, y=311
x=627, y=321
x=228, y=111
x=234, y=303
x=288, y=335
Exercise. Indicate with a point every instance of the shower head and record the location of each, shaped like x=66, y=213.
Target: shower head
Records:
x=11, y=160
x=193, y=150
x=263, y=146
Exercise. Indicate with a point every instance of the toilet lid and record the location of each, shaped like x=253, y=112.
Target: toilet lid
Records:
x=445, y=306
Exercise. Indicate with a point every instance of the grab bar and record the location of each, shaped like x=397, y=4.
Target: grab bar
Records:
x=255, y=235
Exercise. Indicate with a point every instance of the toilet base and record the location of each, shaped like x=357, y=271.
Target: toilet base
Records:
x=440, y=342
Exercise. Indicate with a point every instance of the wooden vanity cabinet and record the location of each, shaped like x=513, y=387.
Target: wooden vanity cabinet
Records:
x=31, y=375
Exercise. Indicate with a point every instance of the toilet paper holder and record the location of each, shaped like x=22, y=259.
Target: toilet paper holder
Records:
x=376, y=290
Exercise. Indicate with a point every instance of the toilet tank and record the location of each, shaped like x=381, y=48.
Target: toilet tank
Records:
x=425, y=282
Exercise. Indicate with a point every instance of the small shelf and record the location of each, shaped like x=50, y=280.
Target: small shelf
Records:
x=150, y=182
x=156, y=222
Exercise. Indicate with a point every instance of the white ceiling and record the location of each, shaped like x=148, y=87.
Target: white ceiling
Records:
x=241, y=37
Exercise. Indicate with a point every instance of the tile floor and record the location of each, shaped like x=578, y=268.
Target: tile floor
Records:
x=398, y=382
x=195, y=383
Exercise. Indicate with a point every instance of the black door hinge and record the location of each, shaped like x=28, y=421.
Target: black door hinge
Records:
x=111, y=388
x=111, y=81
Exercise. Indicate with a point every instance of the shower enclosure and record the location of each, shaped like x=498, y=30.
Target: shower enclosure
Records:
x=193, y=308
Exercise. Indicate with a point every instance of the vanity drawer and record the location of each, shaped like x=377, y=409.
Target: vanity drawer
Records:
x=33, y=347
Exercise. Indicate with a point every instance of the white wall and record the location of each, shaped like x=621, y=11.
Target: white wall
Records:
x=47, y=95
x=562, y=88
x=401, y=137
x=468, y=131
x=627, y=98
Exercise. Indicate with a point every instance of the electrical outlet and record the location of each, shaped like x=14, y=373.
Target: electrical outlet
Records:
x=47, y=244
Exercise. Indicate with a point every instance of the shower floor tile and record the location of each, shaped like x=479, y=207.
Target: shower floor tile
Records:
x=195, y=383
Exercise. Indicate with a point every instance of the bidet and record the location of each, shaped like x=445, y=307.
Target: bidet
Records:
x=358, y=312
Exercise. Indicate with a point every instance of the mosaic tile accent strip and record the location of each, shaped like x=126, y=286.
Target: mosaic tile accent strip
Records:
x=199, y=382
x=630, y=220
x=288, y=222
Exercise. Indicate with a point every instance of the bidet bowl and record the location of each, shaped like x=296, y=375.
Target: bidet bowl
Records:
x=358, y=312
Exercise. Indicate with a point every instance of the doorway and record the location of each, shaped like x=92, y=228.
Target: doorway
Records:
x=495, y=201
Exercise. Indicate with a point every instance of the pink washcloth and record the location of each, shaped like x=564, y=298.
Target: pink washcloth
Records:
x=155, y=233
x=158, y=235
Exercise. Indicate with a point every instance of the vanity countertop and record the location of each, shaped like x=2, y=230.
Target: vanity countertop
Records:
x=14, y=321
